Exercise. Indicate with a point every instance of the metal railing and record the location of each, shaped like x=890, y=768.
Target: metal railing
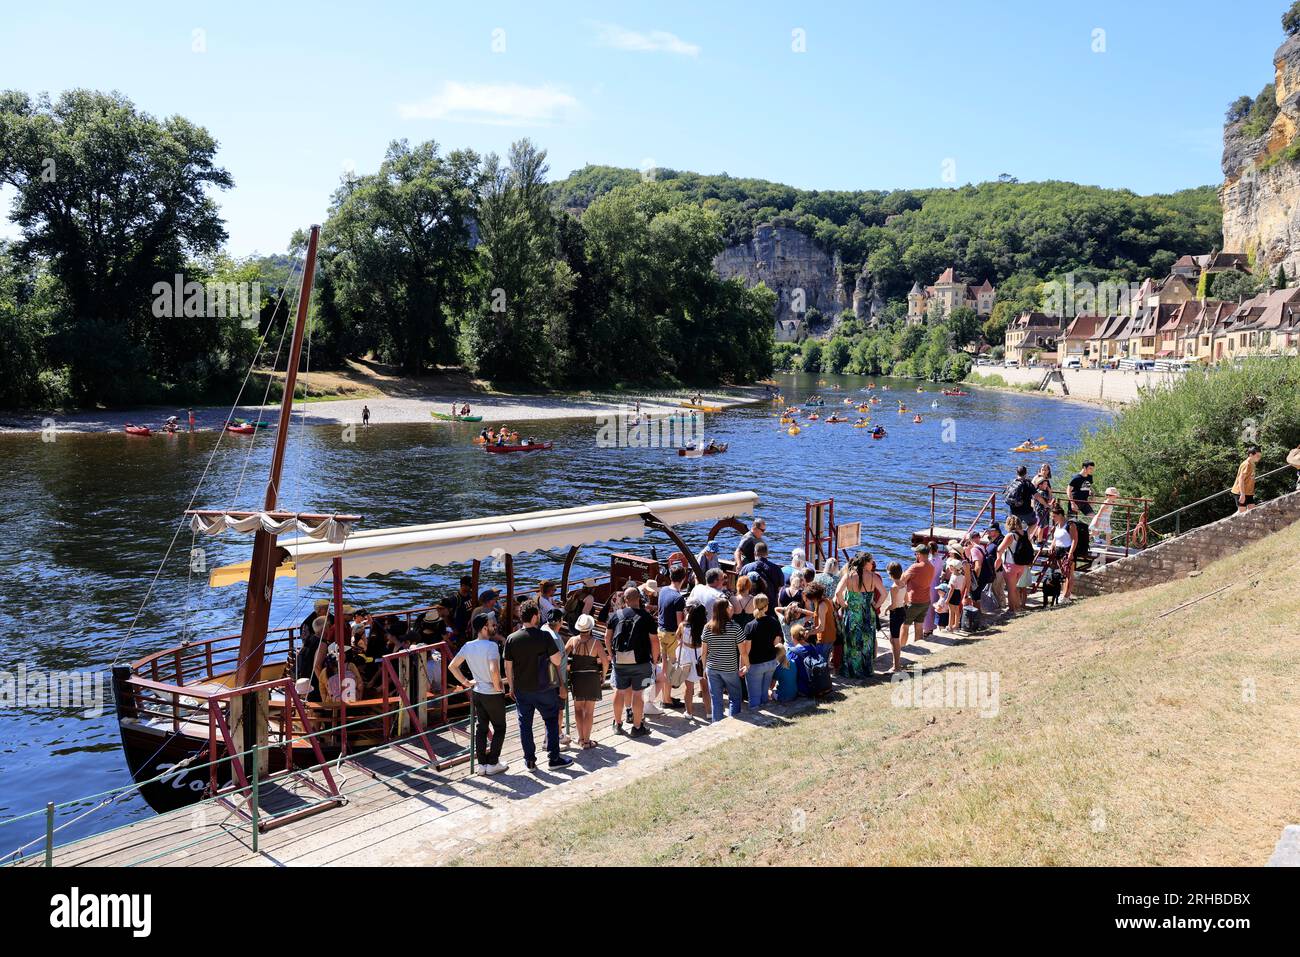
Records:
x=1178, y=513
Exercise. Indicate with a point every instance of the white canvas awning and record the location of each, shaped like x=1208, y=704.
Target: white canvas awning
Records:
x=386, y=550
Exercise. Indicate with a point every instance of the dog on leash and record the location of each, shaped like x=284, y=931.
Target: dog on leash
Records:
x=1051, y=585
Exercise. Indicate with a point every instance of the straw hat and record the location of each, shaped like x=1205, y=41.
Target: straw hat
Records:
x=322, y=604
x=585, y=623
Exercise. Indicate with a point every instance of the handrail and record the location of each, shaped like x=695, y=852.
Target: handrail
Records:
x=1226, y=491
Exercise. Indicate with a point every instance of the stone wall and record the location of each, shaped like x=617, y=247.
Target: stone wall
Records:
x=1111, y=385
x=1192, y=551
x=787, y=260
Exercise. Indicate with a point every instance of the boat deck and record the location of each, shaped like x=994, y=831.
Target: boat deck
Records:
x=390, y=793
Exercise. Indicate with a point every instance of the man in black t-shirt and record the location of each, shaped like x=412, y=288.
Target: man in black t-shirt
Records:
x=745, y=550
x=633, y=644
x=462, y=602
x=532, y=663
x=1081, y=490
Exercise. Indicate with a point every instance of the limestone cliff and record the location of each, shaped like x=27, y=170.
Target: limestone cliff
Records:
x=1261, y=187
x=787, y=261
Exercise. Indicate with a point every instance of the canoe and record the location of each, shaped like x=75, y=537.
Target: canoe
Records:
x=1031, y=448
x=241, y=429
x=695, y=453
x=535, y=447
x=137, y=430
x=954, y=392
x=456, y=418
x=835, y=421
x=878, y=435
x=701, y=408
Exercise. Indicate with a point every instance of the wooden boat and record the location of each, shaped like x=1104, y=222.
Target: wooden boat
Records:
x=534, y=447
x=141, y=430
x=195, y=715
x=456, y=418
x=697, y=451
x=240, y=429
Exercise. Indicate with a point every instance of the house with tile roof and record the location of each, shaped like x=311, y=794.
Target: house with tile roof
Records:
x=1031, y=334
x=1075, y=342
x=1267, y=324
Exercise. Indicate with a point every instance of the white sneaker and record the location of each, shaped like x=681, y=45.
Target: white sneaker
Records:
x=565, y=740
x=494, y=768
x=652, y=707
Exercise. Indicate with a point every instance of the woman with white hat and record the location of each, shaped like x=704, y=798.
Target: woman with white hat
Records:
x=588, y=664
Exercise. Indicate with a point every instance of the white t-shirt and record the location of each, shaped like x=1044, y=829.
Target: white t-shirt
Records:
x=479, y=654
x=705, y=595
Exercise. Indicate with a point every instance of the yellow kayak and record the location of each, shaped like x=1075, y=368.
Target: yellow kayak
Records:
x=862, y=425
x=793, y=430
x=702, y=408
x=1031, y=448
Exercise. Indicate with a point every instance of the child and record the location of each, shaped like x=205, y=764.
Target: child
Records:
x=897, y=610
x=956, y=591
x=1101, y=530
x=786, y=675
x=803, y=650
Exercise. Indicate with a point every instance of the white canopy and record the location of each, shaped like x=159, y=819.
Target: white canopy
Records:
x=386, y=550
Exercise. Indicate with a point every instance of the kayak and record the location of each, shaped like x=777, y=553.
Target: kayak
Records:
x=701, y=408
x=878, y=435
x=696, y=452
x=535, y=447
x=138, y=430
x=862, y=425
x=456, y=418
x=241, y=429
x=793, y=430
x=835, y=421
x=954, y=392
x=1031, y=448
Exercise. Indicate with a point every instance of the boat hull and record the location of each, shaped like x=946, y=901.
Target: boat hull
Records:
x=456, y=418
x=535, y=447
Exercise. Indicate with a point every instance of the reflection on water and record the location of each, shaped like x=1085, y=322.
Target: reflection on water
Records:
x=89, y=518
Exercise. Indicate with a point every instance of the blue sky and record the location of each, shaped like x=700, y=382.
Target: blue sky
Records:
x=880, y=97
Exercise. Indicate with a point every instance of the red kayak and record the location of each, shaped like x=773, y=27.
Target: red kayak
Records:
x=535, y=447
x=138, y=430
x=241, y=429
x=878, y=435
x=954, y=392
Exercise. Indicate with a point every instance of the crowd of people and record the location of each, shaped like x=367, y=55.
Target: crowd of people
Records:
x=741, y=634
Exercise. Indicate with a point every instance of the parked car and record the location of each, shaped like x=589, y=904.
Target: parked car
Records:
x=1011, y=364
x=1072, y=362
x=1136, y=365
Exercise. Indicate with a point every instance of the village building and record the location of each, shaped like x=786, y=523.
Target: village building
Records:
x=948, y=294
x=791, y=330
x=1030, y=335
x=1076, y=342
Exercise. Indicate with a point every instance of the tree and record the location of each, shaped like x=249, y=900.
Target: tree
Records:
x=964, y=326
x=1280, y=281
x=398, y=242
x=516, y=326
x=1239, y=108
x=1291, y=20
x=114, y=200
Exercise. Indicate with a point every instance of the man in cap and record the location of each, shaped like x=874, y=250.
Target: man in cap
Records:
x=708, y=557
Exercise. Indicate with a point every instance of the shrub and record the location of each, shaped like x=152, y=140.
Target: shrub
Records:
x=1181, y=443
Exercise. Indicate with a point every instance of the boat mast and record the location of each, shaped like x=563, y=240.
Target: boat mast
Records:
x=261, y=574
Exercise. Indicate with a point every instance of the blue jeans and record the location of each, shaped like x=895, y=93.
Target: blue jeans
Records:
x=758, y=681
x=730, y=682
x=547, y=704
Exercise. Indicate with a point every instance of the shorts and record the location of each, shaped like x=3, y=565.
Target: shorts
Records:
x=896, y=616
x=916, y=612
x=634, y=677
x=667, y=646
x=1245, y=500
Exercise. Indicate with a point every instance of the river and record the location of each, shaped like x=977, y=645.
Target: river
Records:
x=92, y=516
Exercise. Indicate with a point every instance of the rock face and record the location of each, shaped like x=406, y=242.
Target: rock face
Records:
x=802, y=274
x=1261, y=190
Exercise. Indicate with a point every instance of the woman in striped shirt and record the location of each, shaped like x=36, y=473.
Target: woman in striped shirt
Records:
x=726, y=659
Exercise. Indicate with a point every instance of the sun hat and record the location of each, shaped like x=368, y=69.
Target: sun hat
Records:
x=585, y=623
x=321, y=603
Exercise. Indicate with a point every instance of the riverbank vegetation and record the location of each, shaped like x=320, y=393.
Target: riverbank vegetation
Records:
x=893, y=347
x=437, y=257
x=1180, y=443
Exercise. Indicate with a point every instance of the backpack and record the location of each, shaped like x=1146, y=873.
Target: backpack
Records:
x=819, y=675
x=573, y=608
x=622, y=640
x=1022, y=553
x=987, y=571
x=971, y=619
x=1017, y=497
